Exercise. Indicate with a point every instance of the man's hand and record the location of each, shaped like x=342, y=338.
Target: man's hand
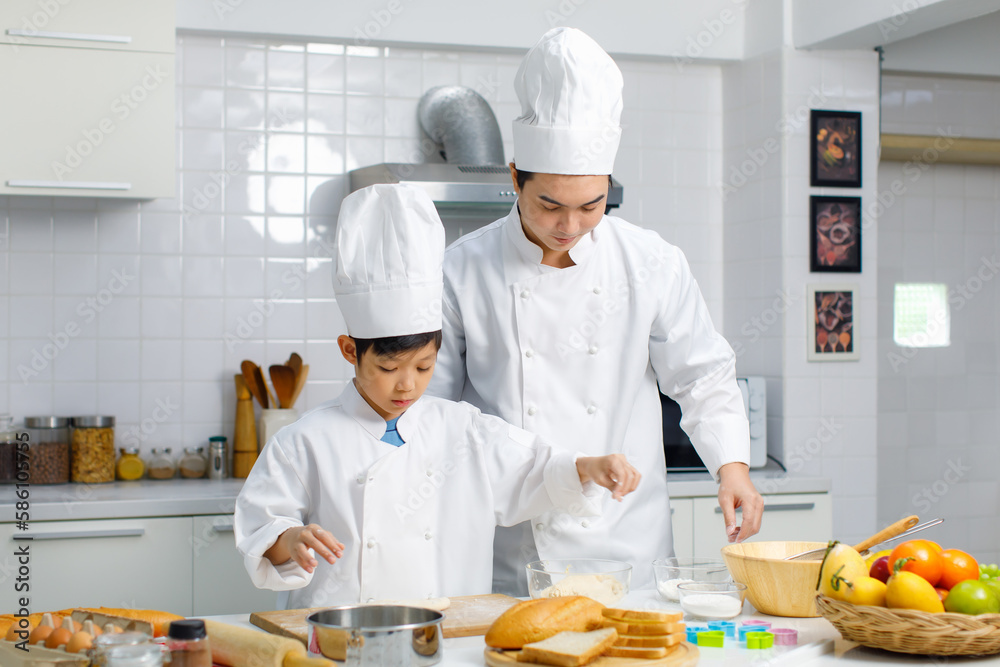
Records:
x=736, y=490
x=612, y=472
x=295, y=543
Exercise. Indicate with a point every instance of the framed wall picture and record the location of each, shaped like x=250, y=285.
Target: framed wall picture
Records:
x=835, y=148
x=835, y=234
x=832, y=335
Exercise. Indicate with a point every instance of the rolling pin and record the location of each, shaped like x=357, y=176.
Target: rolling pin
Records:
x=244, y=431
x=234, y=646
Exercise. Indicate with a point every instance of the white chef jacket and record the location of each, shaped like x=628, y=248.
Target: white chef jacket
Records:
x=416, y=521
x=574, y=355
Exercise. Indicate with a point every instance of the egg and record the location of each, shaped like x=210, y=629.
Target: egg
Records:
x=58, y=637
x=40, y=634
x=79, y=642
x=12, y=635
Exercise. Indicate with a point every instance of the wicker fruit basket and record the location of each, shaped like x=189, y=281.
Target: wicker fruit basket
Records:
x=911, y=631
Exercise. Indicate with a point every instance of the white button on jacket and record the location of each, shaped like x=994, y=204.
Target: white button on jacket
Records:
x=649, y=322
x=415, y=535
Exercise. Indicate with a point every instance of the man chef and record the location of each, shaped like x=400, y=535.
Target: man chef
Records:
x=399, y=494
x=562, y=320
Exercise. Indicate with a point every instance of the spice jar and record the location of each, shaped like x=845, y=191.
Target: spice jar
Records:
x=188, y=644
x=161, y=464
x=218, y=461
x=93, y=449
x=48, y=449
x=130, y=467
x=8, y=450
x=193, y=463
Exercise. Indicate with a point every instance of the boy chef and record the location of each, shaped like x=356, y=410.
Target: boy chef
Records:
x=562, y=321
x=399, y=494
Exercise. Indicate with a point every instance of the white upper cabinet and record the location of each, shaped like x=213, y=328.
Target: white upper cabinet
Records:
x=86, y=117
x=122, y=25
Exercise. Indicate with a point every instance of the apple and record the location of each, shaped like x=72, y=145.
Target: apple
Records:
x=880, y=569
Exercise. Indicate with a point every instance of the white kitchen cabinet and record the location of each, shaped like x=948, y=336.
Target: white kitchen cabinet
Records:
x=682, y=520
x=88, y=118
x=793, y=516
x=124, y=25
x=140, y=563
x=221, y=582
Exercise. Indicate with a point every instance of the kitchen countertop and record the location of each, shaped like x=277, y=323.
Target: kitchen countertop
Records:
x=820, y=645
x=188, y=497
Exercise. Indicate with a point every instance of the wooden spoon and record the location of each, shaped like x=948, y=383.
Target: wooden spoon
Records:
x=283, y=379
x=300, y=383
x=898, y=528
x=295, y=363
x=255, y=381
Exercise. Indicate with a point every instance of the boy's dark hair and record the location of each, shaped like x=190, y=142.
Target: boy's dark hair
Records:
x=392, y=346
x=525, y=176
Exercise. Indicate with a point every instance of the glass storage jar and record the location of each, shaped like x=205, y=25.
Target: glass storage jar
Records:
x=93, y=449
x=130, y=467
x=161, y=464
x=193, y=464
x=48, y=449
x=8, y=450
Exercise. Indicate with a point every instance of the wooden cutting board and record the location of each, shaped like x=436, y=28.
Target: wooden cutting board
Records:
x=466, y=616
x=682, y=655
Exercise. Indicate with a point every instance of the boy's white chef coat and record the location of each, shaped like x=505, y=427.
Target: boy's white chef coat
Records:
x=574, y=355
x=417, y=520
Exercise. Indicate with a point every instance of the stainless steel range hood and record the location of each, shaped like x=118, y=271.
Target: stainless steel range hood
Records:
x=457, y=189
x=473, y=187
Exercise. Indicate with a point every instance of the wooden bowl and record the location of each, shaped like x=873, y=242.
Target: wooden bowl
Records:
x=775, y=586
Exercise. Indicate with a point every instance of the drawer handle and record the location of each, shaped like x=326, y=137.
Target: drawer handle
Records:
x=789, y=507
x=80, y=534
x=224, y=528
x=77, y=36
x=78, y=185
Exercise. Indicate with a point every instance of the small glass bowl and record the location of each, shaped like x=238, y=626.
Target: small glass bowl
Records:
x=669, y=572
x=712, y=600
x=606, y=581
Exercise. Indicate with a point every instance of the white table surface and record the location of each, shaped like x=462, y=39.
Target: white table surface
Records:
x=819, y=644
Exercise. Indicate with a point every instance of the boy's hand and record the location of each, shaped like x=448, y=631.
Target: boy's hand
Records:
x=612, y=472
x=295, y=543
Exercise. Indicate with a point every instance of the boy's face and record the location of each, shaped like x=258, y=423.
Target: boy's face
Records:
x=390, y=384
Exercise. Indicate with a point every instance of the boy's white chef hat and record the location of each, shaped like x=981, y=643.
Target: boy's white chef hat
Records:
x=390, y=246
x=571, y=106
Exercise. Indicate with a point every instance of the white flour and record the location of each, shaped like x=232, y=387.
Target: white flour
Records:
x=711, y=606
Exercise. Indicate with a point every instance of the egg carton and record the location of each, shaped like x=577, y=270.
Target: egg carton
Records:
x=39, y=656
x=100, y=620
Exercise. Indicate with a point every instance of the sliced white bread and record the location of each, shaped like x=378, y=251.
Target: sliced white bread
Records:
x=644, y=629
x=642, y=615
x=569, y=649
x=650, y=641
x=640, y=653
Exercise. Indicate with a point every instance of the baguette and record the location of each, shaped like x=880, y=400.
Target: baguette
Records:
x=535, y=620
x=640, y=653
x=650, y=641
x=642, y=615
x=569, y=649
x=644, y=629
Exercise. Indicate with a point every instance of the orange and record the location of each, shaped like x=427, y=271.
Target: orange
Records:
x=957, y=566
x=925, y=560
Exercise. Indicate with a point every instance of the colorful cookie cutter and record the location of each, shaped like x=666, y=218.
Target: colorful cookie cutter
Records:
x=744, y=629
x=785, y=636
x=760, y=640
x=729, y=627
x=759, y=624
x=692, y=633
x=714, y=638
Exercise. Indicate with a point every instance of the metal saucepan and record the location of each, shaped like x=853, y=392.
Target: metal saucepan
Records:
x=375, y=635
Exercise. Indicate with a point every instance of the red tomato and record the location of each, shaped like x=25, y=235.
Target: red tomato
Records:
x=926, y=560
x=957, y=566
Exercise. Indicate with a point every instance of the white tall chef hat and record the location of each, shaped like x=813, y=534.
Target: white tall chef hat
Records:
x=390, y=246
x=571, y=106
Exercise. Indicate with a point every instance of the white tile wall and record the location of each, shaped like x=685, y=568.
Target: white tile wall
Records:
x=939, y=412
x=168, y=296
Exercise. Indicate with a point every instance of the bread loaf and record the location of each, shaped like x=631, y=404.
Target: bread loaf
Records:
x=640, y=653
x=569, y=649
x=642, y=615
x=644, y=629
x=535, y=620
x=650, y=641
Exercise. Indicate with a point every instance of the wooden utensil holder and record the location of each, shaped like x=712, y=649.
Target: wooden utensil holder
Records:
x=245, y=431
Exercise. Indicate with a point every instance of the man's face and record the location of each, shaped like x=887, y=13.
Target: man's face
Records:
x=557, y=210
x=391, y=384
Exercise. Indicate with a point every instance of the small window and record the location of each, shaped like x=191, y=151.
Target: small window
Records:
x=920, y=315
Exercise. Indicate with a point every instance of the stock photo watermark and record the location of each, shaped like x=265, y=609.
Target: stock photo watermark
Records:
x=712, y=29
x=930, y=495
